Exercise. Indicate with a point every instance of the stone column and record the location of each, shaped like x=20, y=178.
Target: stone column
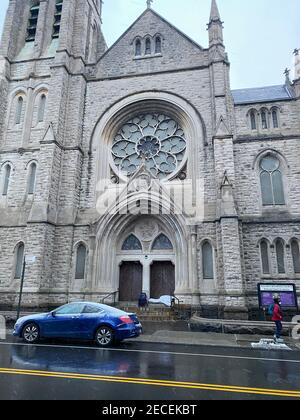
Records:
x=146, y=276
x=193, y=275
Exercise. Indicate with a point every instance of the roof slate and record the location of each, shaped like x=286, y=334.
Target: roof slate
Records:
x=263, y=94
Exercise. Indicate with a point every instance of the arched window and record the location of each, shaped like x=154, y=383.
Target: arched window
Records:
x=280, y=256
x=19, y=260
x=207, y=261
x=42, y=108
x=162, y=242
x=265, y=261
x=57, y=18
x=158, y=45
x=32, y=178
x=148, y=46
x=7, y=174
x=132, y=244
x=19, y=109
x=275, y=118
x=138, y=48
x=264, y=119
x=80, y=262
x=253, y=120
x=32, y=22
x=271, y=181
x=296, y=255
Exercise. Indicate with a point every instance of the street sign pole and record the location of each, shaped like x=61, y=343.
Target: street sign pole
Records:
x=21, y=288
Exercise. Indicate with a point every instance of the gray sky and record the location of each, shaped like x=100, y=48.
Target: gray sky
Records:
x=260, y=35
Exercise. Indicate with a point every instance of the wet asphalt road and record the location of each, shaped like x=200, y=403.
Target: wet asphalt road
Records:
x=132, y=371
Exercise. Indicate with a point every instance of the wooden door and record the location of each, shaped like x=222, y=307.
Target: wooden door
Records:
x=162, y=280
x=131, y=281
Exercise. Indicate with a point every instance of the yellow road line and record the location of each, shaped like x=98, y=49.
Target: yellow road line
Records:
x=154, y=382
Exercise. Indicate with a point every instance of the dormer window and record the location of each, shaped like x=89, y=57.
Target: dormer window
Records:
x=57, y=18
x=32, y=23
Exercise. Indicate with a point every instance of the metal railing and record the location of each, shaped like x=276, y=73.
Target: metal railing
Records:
x=114, y=295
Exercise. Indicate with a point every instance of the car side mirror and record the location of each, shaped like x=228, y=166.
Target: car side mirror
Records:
x=53, y=314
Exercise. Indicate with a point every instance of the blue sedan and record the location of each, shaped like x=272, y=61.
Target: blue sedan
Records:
x=82, y=321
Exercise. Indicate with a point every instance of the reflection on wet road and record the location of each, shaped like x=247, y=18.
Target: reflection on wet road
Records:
x=145, y=371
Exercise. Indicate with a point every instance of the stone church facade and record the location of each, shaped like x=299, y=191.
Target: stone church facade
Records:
x=99, y=148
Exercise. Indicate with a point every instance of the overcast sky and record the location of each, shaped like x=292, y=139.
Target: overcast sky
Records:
x=260, y=35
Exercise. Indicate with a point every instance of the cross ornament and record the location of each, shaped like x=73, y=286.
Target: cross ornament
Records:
x=149, y=3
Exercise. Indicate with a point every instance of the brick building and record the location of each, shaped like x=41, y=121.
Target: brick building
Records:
x=142, y=121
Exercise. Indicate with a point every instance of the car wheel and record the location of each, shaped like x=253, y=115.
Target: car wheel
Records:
x=31, y=333
x=104, y=336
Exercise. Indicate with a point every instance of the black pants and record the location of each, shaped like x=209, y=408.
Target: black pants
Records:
x=278, y=329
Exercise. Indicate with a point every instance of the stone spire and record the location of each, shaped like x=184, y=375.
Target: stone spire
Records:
x=215, y=26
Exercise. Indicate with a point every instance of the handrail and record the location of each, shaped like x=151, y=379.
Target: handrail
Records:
x=114, y=294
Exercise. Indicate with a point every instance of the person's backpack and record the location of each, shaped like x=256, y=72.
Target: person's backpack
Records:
x=270, y=310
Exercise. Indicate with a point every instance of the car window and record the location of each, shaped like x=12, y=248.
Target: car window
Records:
x=71, y=309
x=92, y=309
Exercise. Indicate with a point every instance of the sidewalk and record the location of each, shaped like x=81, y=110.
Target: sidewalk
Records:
x=208, y=339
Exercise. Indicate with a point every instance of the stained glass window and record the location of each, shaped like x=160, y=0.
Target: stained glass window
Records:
x=156, y=138
x=271, y=181
x=280, y=256
x=138, y=48
x=296, y=256
x=253, y=120
x=162, y=243
x=7, y=172
x=31, y=179
x=80, y=262
x=157, y=45
x=207, y=261
x=132, y=244
x=264, y=249
x=275, y=118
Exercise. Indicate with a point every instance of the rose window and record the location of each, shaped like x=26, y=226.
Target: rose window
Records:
x=156, y=139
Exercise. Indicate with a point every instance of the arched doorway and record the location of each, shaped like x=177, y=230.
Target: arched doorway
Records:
x=131, y=281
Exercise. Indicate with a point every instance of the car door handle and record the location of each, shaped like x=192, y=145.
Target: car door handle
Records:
x=75, y=317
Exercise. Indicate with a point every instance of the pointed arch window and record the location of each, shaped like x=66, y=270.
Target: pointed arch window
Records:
x=19, y=260
x=280, y=257
x=7, y=174
x=253, y=120
x=265, y=258
x=158, y=45
x=138, y=48
x=207, y=261
x=32, y=22
x=296, y=255
x=162, y=242
x=80, y=262
x=132, y=244
x=264, y=119
x=42, y=108
x=57, y=18
x=148, y=46
x=275, y=118
x=32, y=178
x=19, y=110
x=271, y=181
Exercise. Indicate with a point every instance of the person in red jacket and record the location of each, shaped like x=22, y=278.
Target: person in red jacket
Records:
x=277, y=318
